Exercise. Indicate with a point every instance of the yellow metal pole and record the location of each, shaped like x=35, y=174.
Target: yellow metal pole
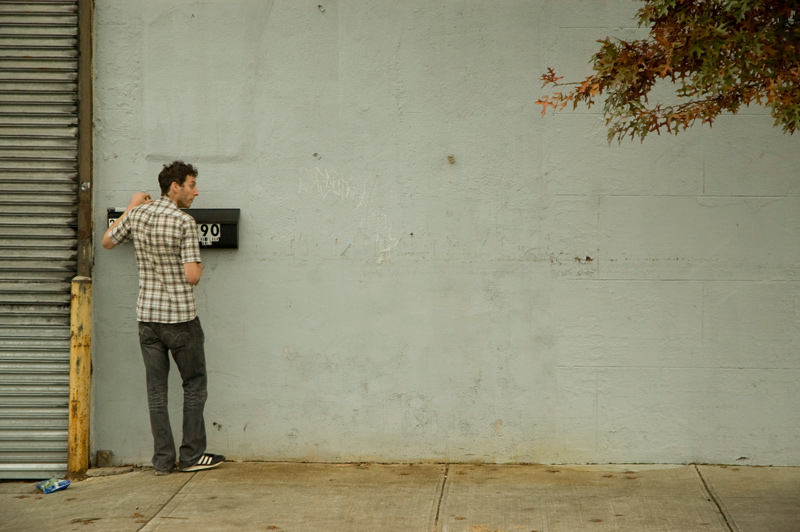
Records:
x=80, y=375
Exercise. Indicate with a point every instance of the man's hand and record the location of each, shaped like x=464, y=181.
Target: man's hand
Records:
x=193, y=272
x=137, y=199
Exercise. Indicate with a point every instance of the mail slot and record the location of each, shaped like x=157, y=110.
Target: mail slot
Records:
x=216, y=228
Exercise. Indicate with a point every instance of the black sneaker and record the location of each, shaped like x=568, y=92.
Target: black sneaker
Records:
x=207, y=461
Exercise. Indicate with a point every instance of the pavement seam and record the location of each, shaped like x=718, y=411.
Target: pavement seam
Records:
x=441, y=497
x=167, y=503
x=713, y=496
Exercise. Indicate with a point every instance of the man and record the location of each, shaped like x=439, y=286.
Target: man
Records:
x=168, y=258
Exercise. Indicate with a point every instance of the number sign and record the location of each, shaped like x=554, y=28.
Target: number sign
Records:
x=216, y=228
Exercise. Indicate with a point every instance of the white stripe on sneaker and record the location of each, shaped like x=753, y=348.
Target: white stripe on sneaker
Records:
x=206, y=461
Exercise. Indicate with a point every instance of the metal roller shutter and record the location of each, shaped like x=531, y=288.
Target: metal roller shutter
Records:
x=38, y=239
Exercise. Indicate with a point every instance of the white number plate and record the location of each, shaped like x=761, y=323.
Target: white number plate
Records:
x=208, y=233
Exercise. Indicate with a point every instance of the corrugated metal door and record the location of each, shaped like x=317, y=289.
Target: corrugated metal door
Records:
x=38, y=240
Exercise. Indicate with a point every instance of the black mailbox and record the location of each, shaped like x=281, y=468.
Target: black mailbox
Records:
x=216, y=228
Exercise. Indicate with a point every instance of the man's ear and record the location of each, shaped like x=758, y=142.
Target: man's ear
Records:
x=174, y=187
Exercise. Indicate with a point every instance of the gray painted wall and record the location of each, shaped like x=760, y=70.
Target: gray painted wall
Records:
x=545, y=297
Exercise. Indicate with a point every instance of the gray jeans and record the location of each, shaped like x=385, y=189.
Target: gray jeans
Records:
x=185, y=341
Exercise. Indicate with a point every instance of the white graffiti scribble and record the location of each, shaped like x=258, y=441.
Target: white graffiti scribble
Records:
x=331, y=182
x=356, y=195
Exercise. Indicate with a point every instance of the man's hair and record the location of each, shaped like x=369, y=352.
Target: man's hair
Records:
x=175, y=172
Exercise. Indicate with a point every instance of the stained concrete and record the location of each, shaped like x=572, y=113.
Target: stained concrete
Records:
x=757, y=498
x=569, y=498
x=305, y=497
x=119, y=503
x=425, y=498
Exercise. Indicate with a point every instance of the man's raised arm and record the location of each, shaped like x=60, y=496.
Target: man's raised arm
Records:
x=136, y=200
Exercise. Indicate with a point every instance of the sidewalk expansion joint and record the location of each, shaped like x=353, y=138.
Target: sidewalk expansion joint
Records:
x=166, y=503
x=713, y=498
x=441, y=497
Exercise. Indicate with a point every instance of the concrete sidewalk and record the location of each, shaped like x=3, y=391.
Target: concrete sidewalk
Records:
x=409, y=498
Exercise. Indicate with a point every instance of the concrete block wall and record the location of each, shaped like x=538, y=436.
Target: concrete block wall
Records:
x=430, y=271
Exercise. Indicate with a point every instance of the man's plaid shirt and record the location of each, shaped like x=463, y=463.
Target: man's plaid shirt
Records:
x=165, y=237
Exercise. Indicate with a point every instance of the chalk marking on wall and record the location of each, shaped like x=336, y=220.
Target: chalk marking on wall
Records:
x=374, y=222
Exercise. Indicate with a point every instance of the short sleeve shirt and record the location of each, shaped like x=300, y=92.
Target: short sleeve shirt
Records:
x=165, y=238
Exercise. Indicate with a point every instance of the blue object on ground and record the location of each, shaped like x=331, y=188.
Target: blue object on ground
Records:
x=54, y=484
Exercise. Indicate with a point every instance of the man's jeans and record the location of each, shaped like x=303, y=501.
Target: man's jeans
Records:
x=185, y=341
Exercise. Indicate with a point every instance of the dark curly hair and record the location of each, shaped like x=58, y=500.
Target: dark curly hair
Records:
x=175, y=172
